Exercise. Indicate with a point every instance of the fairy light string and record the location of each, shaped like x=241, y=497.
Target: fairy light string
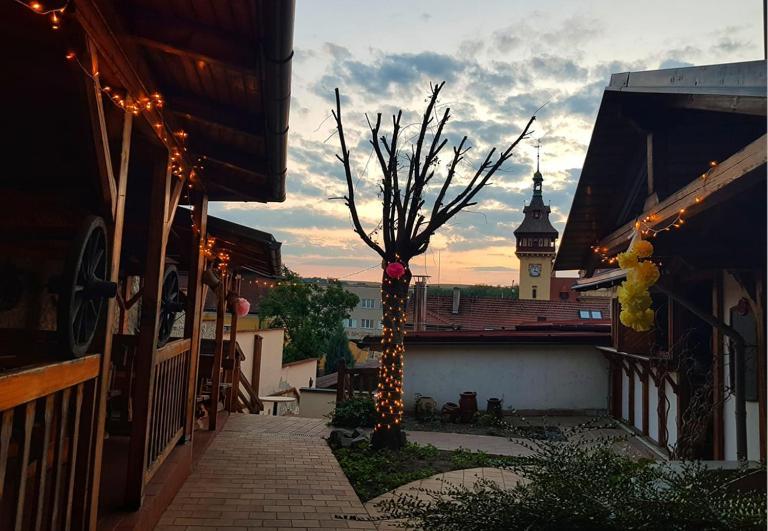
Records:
x=647, y=227
x=132, y=103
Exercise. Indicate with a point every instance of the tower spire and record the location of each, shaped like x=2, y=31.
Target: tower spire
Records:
x=538, y=149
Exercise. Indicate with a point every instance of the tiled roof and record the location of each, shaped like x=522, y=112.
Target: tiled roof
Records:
x=489, y=313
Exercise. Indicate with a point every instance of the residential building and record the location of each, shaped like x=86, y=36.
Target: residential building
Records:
x=678, y=156
x=365, y=318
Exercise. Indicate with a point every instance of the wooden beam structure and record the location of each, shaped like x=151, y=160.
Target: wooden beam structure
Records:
x=102, y=392
x=216, y=115
x=218, y=353
x=146, y=349
x=698, y=196
x=195, y=300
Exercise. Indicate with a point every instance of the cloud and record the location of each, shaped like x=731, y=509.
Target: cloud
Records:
x=494, y=268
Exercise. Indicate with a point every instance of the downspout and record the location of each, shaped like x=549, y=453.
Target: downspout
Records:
x=278, y=19
x=739, y=346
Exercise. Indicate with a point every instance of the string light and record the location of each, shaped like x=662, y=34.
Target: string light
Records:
x=647, y=225
x=134, y=104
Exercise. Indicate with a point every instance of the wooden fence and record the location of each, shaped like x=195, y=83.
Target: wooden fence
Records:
x=355, y=381
x=45, y=444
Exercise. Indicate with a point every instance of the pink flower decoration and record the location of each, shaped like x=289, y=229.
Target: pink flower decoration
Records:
x=242, y=306
x=395, y=269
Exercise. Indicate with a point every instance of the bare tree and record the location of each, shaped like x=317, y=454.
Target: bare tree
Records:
x=406, y=228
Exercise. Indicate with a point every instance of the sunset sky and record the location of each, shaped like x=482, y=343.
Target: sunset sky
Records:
x=501, y=61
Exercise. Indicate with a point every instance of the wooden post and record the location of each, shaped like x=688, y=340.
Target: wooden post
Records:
x=631, y=393
x=232, y=353
x=146, y=349
x=102, y=390
x=718, y=374
x=341, y=372
x=616, y=387
x=256, y=368
x=218, y=353
x=195, y=303
x=644, y=380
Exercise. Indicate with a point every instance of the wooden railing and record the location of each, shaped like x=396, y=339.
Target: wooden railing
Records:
x=169, y=400
x=354, y=381
x=248, y=396
x=45, y=444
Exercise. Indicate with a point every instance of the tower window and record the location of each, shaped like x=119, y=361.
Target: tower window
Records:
x=536, y=214
x=533, y=292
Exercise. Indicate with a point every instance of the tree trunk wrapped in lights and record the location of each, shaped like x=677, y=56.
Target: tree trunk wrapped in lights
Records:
x=406, y=231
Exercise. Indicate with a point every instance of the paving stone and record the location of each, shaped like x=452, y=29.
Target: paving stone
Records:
x=263, y=472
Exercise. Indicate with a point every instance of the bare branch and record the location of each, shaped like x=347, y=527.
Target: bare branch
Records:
x=350, y=198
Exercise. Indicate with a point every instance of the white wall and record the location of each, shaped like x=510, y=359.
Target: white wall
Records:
x=531, y=377
x=298, y=374
x=672, y=414
x=316, y=403
x=731, y=295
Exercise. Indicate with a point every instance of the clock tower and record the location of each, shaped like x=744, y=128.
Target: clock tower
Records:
x=535, y=245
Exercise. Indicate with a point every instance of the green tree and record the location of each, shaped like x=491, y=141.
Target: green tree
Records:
x=309, y=312
x=337, y=350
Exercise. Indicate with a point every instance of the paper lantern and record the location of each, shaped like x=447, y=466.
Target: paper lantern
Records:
x=242, y=306
x=395, y=270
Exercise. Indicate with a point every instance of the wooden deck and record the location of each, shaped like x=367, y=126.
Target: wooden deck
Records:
x=264, y=472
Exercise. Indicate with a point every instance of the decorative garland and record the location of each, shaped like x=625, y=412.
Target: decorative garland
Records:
x=634, y=297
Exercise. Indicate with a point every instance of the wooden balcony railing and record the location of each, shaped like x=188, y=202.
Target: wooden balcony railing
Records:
x=169, y=401
x=45, y=444
x=355, y=381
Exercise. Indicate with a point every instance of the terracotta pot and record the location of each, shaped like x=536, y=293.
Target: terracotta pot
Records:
x=494, y=407
x=468, y=406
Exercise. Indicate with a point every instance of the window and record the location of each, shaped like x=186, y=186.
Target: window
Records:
x=367, y=303
x=366, y=323
x=536, y=214
x=380, y=325
x=596, y=314
x=584, y=314
x=350, y=323
x=533, y=291
x=590, y=314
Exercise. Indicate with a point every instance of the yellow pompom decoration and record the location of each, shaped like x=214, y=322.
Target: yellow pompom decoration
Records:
x=642, y=248
x=635, y=300
x=627, y=260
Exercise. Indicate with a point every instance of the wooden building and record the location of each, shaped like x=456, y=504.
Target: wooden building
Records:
x=117, y=113
x=680, y=155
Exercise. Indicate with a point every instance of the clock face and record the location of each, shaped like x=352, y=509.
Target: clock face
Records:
x=534, y=270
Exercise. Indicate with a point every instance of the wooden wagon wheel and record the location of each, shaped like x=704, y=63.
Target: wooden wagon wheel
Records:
x=170, y=304
x=84, y=286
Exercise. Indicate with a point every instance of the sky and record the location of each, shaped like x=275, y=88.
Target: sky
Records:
x=501, y=61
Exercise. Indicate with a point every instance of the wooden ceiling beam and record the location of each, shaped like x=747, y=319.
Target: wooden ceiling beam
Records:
x=234, y=159
x=697, y=196
x=202, y=44
x=215, y=114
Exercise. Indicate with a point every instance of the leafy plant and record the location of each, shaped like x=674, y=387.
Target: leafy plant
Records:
x=373, y=473
x=309, y=311
x=354, y=413
x=578, y=485
x=337, y=350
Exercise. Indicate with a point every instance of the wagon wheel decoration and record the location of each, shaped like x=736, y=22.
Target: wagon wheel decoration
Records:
x=83, y=287
x=171, y=303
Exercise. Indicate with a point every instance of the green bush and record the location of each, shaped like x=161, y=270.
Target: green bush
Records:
x=589, y=486
x=354, y=413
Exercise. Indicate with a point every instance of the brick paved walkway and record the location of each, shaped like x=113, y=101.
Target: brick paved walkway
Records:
x=264, y=472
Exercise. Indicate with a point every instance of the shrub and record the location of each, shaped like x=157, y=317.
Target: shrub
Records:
x=588, y=486
x=354, y=413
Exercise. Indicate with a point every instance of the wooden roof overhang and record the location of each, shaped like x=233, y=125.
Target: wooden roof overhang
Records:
x=249, y=249
x=696, y=115
x=224, y=72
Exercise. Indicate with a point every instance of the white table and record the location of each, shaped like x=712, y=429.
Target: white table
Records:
x=276, y=400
